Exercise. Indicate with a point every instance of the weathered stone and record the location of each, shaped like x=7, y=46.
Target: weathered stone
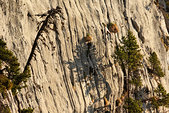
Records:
x=69, y=75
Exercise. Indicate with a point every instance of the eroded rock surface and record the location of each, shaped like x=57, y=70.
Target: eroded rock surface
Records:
x=69, y=74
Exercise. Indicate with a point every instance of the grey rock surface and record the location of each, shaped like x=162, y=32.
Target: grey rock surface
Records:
x=61, y=66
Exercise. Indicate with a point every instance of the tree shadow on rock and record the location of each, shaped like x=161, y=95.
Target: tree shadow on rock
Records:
x=87, y=66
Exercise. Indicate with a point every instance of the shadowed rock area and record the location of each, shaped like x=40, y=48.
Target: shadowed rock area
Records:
x=73, y=74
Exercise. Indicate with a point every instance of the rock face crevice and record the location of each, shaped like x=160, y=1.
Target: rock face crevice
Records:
x=69, y=74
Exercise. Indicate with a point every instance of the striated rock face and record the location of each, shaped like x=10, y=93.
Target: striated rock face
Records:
x=69, y=74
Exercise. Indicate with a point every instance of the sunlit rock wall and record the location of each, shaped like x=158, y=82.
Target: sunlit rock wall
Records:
x=68, y=74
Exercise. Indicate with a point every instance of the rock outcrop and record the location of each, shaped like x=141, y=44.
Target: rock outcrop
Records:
x=69, y=74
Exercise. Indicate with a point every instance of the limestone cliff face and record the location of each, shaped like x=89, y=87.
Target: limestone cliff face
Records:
x=68, y=74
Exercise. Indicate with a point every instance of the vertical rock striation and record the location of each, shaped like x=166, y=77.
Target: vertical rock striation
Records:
x=69, y=74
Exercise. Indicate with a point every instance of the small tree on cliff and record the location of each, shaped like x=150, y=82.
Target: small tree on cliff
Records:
x=13, y=69
x=129, y=54
x=133, y=106
x=155, y=65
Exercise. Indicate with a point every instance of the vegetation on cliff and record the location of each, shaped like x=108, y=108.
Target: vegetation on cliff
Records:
x=129, y=52
x=11, y=76
x=28, y=110
x=4, y=108
x=155, y=65
x=129, y=56
x=161, y=98
x=133, y=106
x=130, y=59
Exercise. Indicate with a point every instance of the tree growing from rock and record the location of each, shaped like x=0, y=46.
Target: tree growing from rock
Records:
x=133, y=106
x=155, y=65
x=13, y=70
x=128, y=54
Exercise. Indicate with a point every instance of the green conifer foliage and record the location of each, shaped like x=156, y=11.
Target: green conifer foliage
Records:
x=13, y=70
x=155, y=65
x=2, y=43
x=5, y=82
x=136, y=80
x=28, y=110
x=160, y=90
x=129, y=55
x=154, y=102
x=129, y=52
x=4, y=108
x=133, y=106
x=162, y=98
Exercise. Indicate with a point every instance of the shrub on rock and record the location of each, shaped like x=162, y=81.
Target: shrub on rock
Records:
x=88, y=38
x=112, y=28
x=155, y=65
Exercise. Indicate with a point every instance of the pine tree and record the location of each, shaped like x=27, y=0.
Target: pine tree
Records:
x=162, y=98
x=129, y=52
x=13, y=70
x=160, y=90
x=133, y=106
x=129, y=56
x=155, y=65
